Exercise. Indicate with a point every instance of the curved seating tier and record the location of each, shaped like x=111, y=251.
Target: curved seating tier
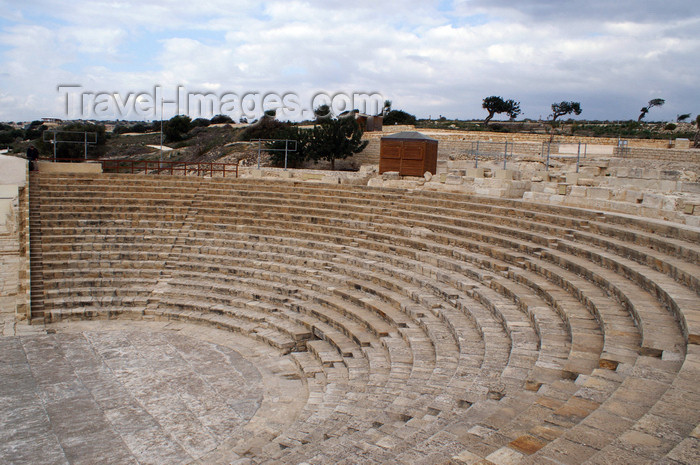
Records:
x=430, y=327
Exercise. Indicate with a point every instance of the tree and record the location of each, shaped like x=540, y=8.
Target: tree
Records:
x=322, y=111
x=176, y=128
x=71, y=141
x=8, y=134
x=565, y=108
x=657, y=102
x=294, y=158
x=266, y=128
x=399, y=117
x=387, y=107
x=200, y=123
x=35, y=130
x=495, y=104
x=221, y=119
x=335, y=139
x=683, y=117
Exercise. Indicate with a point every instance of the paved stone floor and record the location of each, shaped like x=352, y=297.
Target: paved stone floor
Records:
x=127, y=392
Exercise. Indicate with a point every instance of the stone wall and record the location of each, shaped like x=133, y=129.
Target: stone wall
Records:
x=456, y=144
x=14, y=242
x=646, y=153
x=88, y=167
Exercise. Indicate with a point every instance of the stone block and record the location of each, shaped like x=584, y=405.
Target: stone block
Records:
x=427, y=176
x=693, y=221
x=490, y=191
x=458, y=164
x=671, y=175
x=562, y=189
x=587, y=182
x=636, y=172
x=682, y=143
x=578, y=191
x=454, y=179
x=652, y=200
x=622, y=172
x=633, y=196
x=598, y=193
x=88, y=167
x=466, y=458
x=9, y=191
x=255, y=173
x=504, y=174
x=669, y=203
x=475, y=172
x=589, y=171
x=13, y=170
x=557, y=198
x=375, y=182
x=664, y=186
x=505, y=456
x=369, y=169
x=5, y=213
x=689, y=187
x=572, y=178
x=391, y=176
x=649, y=173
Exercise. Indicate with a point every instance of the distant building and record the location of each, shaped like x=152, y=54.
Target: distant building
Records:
x=370, y=123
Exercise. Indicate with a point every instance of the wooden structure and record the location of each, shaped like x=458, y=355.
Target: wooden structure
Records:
x=410, y=153
x=370, y=123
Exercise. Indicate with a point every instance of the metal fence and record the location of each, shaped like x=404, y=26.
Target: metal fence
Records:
x=564, y=150
x=181, y=168
x=491, y=150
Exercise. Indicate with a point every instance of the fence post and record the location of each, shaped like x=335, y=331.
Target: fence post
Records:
x=476, y=156
x=505, y=154
x=286, y=142
x=578, y=156
x=259, y=142
x=549, y=144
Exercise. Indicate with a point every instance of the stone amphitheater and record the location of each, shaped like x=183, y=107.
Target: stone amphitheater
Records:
x=245, y=321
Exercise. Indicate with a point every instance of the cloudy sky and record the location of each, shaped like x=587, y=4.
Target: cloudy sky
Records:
x=429, y=58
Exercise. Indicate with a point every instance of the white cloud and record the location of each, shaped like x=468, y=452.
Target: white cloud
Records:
x=428, y=60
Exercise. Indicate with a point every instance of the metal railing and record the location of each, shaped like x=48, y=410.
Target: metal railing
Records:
x=182, y=168
x=488, y=149
x=564, y=150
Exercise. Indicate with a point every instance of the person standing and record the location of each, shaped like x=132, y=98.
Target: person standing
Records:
x=32, y=156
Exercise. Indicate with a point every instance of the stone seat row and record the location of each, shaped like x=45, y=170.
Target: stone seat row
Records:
x=261, y=218
x=511, y=211
x=499, y=270
x=677, y=269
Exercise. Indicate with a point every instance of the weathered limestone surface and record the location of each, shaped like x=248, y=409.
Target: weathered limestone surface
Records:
x=291, y=321
x=160, y=393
